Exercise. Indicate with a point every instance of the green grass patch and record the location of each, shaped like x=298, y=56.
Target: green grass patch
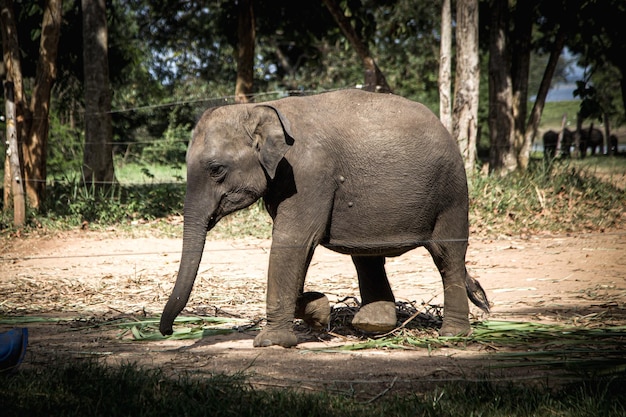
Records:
x=553, y=112
x=90, y=388
x=556, y=196
x=137, y=174
x=609, y=169
x=573, y=350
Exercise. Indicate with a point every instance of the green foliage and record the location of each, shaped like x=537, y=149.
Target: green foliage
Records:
x=590, y=107
x=71, y=203
x=79, y=388
x=65, y=148
x=171, y=149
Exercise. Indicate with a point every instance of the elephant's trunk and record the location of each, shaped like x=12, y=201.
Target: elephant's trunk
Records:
x=194, y=237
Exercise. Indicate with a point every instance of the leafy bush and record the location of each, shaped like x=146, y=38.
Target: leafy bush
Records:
x=171, y=149
x=74, y=203
x=65, y=147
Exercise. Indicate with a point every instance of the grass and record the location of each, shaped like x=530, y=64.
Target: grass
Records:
x=570, y=350
x=557, y=196
x=563, y=196
x=560, y=197
x=553, y=114
x=137, y=174
x=91, y=388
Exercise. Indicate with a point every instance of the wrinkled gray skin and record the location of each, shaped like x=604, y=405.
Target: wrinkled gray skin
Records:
x=363, y=174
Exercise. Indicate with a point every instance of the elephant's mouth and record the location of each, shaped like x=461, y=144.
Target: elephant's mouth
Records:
x=211, y=223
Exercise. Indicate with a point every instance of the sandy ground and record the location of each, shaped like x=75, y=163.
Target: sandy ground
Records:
x=86, y=278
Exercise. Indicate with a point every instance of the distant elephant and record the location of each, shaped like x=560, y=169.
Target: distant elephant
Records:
x=550, y=142
x=365, y=174
x=550, y=139
x=591, y=138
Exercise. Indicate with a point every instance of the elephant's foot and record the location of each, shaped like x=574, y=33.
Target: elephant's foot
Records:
x=455, y=327
x=376, y=317
x=268, y=337
x=314, y=309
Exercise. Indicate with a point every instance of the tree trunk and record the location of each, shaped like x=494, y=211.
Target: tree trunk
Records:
x=245, y=52
x=17, y=185
x=32, y=121
x=502, y=153
x=35, y=145
x=622, y=69
x=520, y=66
x=374, y=78
x=98, y=152
x=13, y=67
x=467, y=80
x=606, y=143
x=540, y=101
x=445, y=65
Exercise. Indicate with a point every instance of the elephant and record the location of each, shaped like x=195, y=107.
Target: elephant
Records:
x=550, y=139
x=369, y=175
x=591, y=138
x=550, y=143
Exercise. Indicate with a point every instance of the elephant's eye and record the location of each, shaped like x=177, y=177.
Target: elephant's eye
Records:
x=217, y=172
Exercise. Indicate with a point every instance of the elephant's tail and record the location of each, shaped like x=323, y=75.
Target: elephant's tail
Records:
x=475, y=293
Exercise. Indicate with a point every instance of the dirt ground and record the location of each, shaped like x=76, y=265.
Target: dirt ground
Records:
x=86, y=278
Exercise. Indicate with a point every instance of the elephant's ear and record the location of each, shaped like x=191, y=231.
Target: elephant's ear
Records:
x=272, y=136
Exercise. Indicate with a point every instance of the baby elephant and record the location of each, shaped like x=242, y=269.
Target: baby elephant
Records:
x=364, y=174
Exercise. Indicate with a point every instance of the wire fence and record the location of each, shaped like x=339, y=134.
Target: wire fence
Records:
x=618, y=234
x=198, y=105
x=178, y=179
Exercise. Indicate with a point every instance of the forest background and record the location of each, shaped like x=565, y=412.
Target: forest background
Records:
x=153, y=67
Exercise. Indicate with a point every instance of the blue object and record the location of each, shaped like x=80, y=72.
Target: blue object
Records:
x=12, y=348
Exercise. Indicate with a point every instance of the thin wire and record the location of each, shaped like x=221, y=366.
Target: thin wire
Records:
x=223, y=99
x=226, y=100
x=416, y=244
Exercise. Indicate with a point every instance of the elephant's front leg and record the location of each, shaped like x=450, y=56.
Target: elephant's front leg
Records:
x=288, y=264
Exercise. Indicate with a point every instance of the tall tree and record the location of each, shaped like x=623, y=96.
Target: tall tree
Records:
x=13, y=68
x=521, y=46
x=467, y=80
x=98, y=152
x=535, y=115
x=374, y=78
x=502, y=155
x=32, y=117
x=246, y=31
x=445, y=65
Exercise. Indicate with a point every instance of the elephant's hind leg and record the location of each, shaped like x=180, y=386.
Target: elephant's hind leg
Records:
x=449, y=256
x=378, y=309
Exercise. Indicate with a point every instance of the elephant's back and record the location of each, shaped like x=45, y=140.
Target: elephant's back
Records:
x=363, y=124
